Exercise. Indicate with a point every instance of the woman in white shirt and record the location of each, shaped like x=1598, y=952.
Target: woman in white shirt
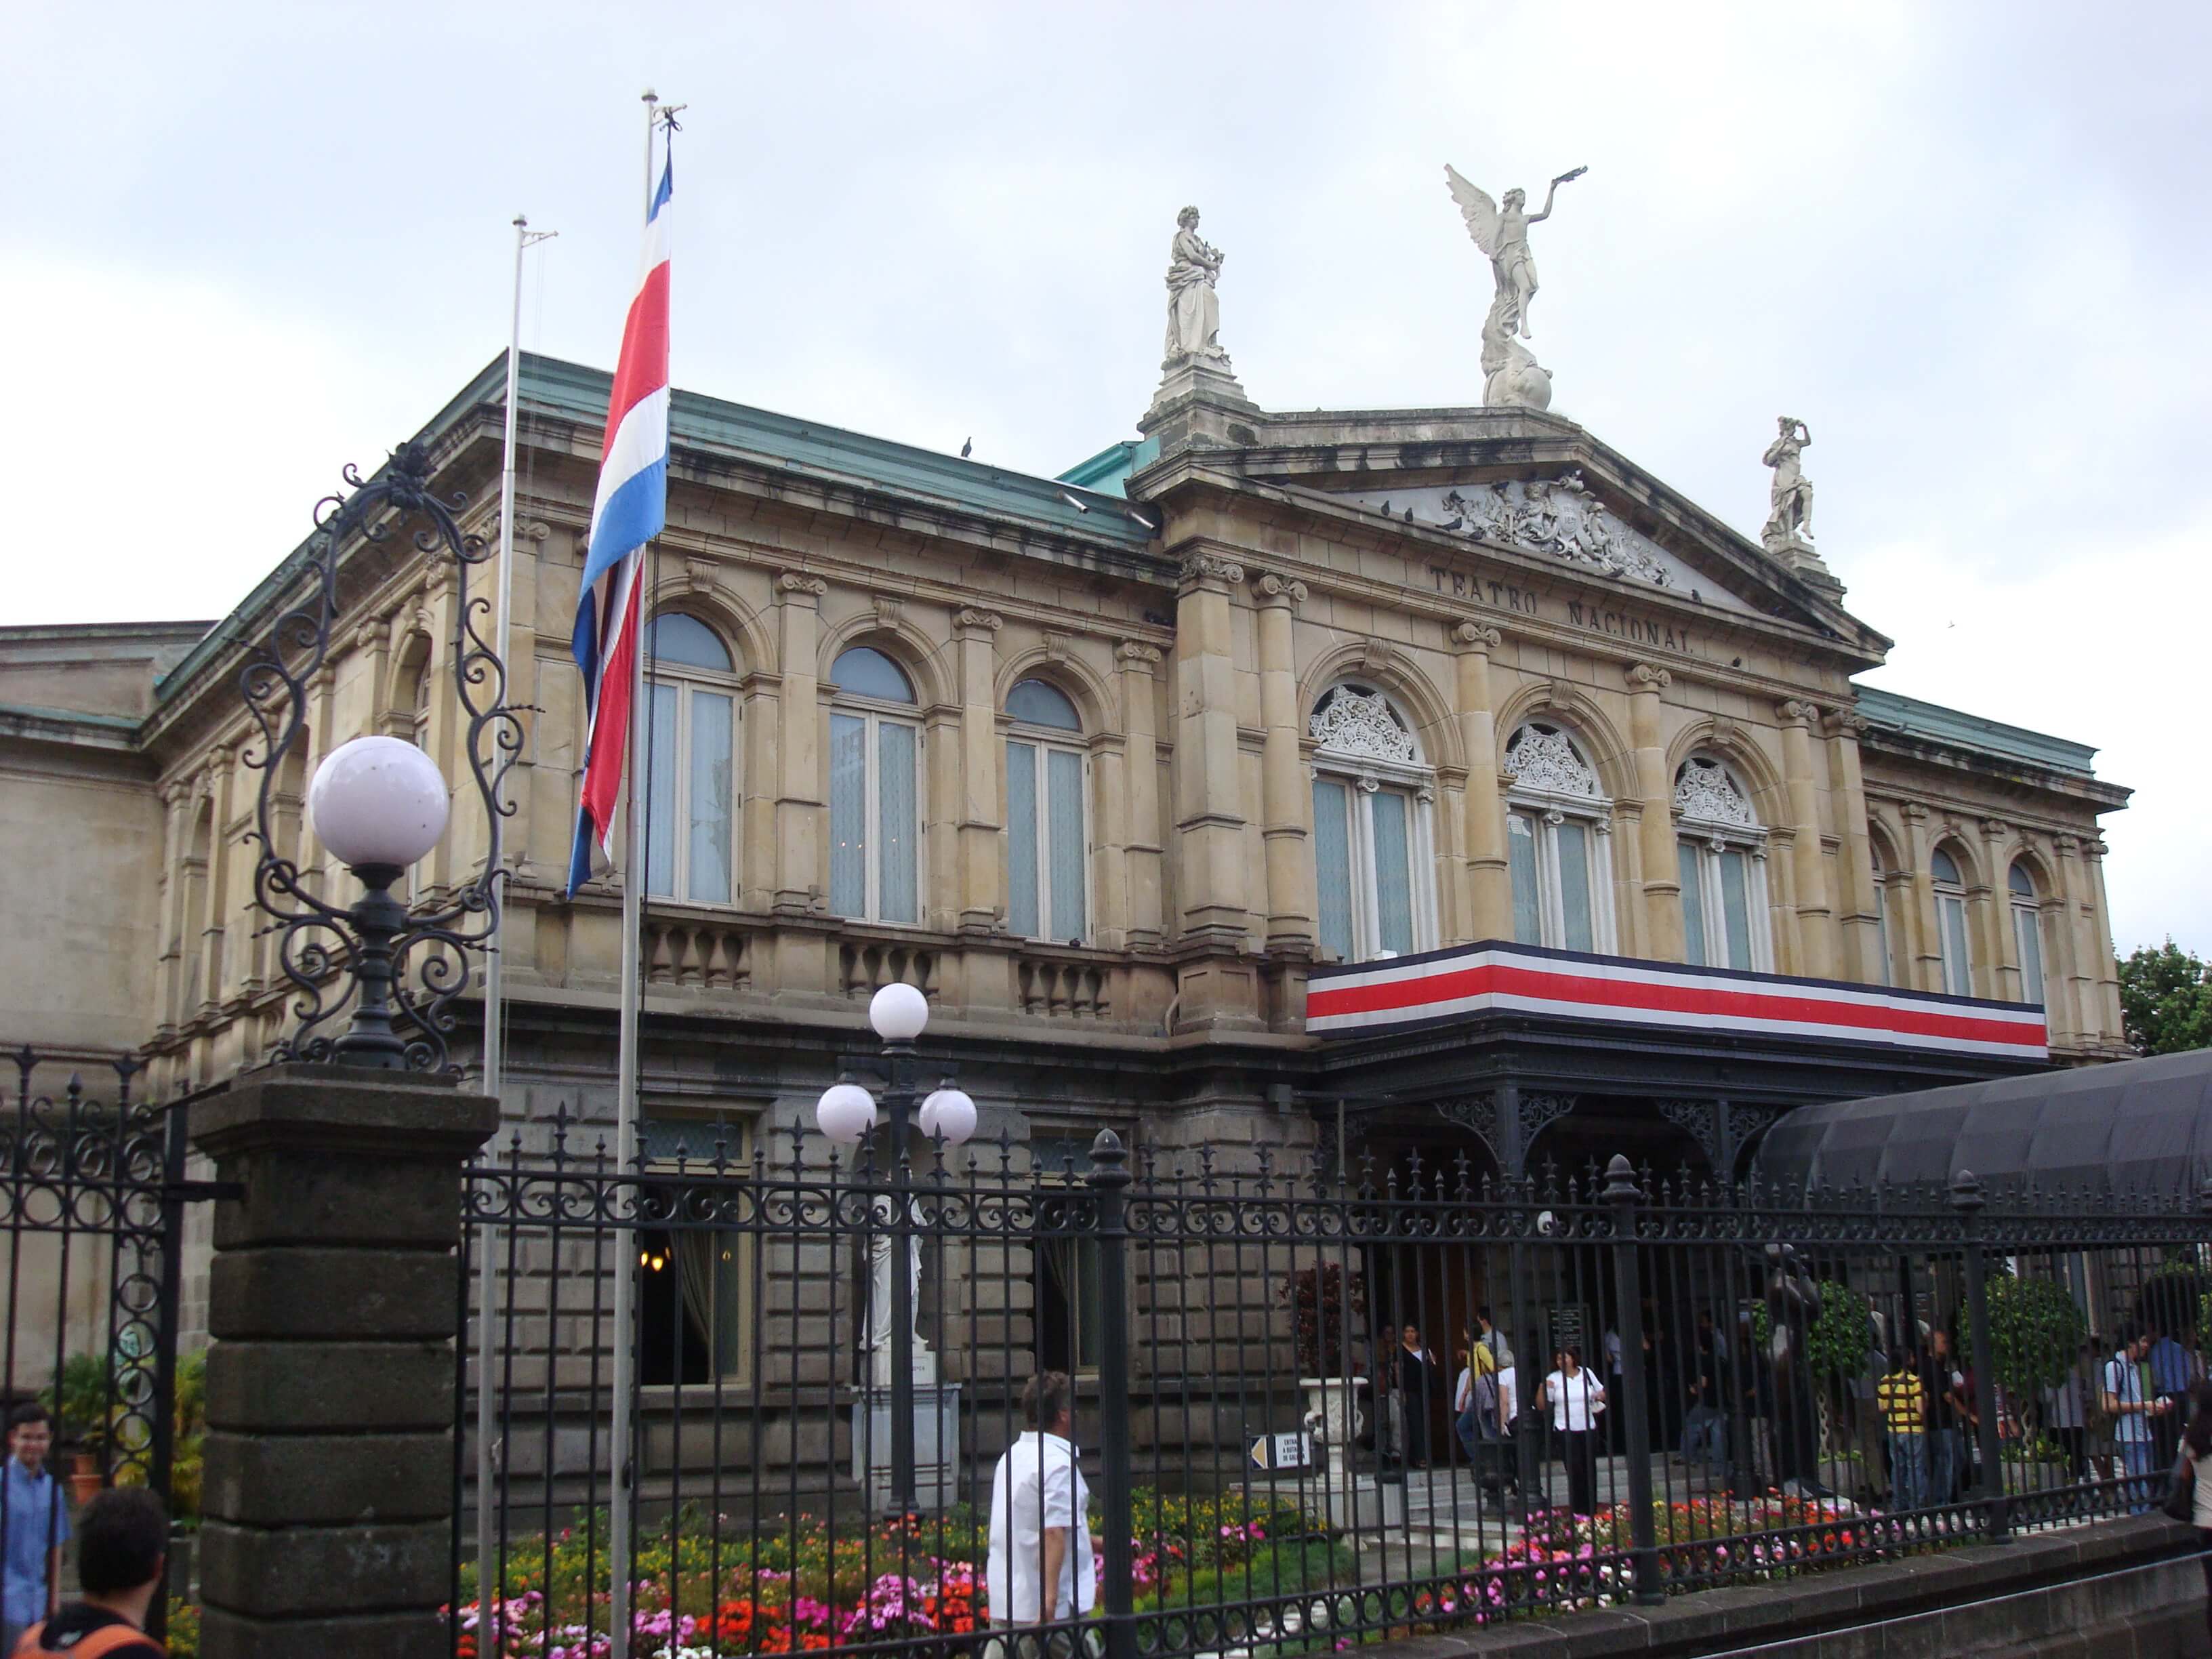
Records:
x=1576, y=1399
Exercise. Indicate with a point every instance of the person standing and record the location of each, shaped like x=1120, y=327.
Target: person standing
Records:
x=2132, y=1411
x=1902, y=1398
x=123, y=1544
x=2065, y=1413
x=1577, y=1400
x=1418, y=1384
x=1945, y=1382
x=34, y=1524
x=2196, y=1447
x=1704, y=1428
x=2171, y=1374
x=1039, y=1535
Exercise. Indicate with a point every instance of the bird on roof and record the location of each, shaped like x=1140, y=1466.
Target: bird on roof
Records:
x=967, y=448
x=1409, y=515
x=1386, y=509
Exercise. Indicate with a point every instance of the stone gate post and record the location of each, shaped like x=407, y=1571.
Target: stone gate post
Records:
x=333, y=1305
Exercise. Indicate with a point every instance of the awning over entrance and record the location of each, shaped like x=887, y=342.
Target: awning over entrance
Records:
x=2140, y=1127
x=1361, y=999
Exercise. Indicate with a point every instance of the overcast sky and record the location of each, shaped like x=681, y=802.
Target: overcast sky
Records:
x=241, y=246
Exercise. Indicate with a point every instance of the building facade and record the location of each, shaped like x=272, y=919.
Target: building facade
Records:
x=1128, y=771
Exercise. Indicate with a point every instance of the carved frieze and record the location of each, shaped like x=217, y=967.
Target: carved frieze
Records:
x=1705, y=792
x=1538, y=757
x=1558, y=516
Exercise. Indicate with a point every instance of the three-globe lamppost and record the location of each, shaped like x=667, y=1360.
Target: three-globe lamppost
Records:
x=846, y=1113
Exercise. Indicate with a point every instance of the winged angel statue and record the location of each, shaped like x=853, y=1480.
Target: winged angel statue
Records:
x=1512, y=375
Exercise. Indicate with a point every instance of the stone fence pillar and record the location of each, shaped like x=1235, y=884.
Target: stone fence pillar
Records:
x=329, y=1489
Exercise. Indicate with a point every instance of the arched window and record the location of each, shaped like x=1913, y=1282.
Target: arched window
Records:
x=2028, y=933
x=1372, y=793
x=692, y=763
x=1558, y=826
x=1047, y=842
x=1720, y=852
x=1886, y=965
x=875, y=789
x=1951, y=924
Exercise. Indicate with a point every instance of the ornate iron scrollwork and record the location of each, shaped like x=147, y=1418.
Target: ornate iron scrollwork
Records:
x=319, y=943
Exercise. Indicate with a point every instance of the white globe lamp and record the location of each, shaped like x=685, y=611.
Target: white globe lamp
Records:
x=845, y=1113
x=898, y=1012
x=377, y=803
x=948, y=1112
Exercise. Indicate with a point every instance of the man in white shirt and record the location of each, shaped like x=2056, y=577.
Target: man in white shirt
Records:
x=1039, y=1534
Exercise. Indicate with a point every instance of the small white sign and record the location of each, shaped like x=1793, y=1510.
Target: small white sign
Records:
x=1282, y=1451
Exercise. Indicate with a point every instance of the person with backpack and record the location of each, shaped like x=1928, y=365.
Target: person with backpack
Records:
x=122, y=1547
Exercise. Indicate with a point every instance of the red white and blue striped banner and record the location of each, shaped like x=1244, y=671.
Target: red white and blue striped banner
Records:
x=630, y=511
x=1359, y=999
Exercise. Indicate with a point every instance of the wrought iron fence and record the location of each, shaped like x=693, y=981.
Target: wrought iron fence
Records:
x=1308, y=1405
x=94, y=1202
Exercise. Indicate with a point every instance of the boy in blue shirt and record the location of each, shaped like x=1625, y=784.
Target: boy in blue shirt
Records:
x=33, y=1525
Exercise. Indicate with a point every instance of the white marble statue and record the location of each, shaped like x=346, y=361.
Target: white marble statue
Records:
x=1511, y=372
x=1789, y=514
x=878, y=1340
x=1193, y=309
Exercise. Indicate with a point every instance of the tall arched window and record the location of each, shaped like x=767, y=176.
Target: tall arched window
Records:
x=875, y=789
x=2028, y=933
x=1721, y=854
x=692, y=763
x=1558, y=826
x=1887, y=964
x=1951, y=924
x=1372, y=793
x=1048, y=844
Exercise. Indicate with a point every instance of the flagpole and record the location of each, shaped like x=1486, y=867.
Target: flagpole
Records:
x=622, y=1512
x=494, y=1032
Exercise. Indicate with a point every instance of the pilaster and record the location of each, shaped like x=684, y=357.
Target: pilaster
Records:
x=1285, y=804
x=1815, y=916
x=2003, y=948
x=981, y=901
x=1662, y=885
x=1862, y=921
x=2111, y=1021
x=1211, y=825
x=1927, y=945
x=1143, y=855
x=1488, y=899
x=799, y=781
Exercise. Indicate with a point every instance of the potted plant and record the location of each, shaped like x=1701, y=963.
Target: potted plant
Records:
x=1323, y=1299
x=79, y=1402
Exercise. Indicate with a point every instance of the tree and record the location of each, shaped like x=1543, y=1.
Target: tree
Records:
x=2166, y=1000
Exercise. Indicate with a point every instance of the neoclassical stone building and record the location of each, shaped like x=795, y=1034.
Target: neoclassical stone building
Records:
x=1187, y=786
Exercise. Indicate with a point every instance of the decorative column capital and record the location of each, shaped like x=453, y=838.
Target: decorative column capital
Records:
x=1277, y=590
x=1477, y=636
x=1915, y=811
x=2070, y=846
x=1644, y=677
x=1205, y=568
x=1994, y=829
x=1136, y=657
x=1792, y=711
x=971, y=621
x=795, y=587
x=1844, y=722
x=2093, y=847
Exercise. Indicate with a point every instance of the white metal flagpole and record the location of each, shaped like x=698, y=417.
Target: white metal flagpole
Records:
x=495, y=1033
x=626, y=1061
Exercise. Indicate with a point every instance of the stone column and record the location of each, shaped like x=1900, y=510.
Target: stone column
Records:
x=2069, y=977
x=2111, y=1021
x=978, y=826
x=799, y=770
x=333, y=1303
x=1815, y=916
x=1285, y=803
x=1862, y=916
x=2003, y=948
x=176, y=825
x=214, y=966
x=1927, y=939
x=1210, y=824
x=1138, y=662
x=1663, y=884
x=1489, y=895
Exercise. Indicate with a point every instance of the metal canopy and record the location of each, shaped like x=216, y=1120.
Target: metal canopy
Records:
x=2140, y=1127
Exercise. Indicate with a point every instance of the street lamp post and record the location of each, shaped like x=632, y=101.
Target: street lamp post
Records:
x=846, y=1113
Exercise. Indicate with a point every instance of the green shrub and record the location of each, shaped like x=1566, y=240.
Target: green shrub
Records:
x=2036, y=1328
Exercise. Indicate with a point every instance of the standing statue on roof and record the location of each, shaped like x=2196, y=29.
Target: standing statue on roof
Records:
x=1511, y=373
x=1193, y=310
x=1790, y=501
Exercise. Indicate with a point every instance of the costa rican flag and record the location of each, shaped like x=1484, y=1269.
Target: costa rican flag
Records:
x=630, y=511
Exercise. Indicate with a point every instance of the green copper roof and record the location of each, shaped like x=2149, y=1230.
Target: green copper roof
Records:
x=1933, y=724
x=1110, y=469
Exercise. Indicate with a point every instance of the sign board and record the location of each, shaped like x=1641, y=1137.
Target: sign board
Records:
x=1282, y=1451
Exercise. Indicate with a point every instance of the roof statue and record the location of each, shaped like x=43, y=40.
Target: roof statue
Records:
x=1194, y=311
x=1790, y=516
x=1511, y=372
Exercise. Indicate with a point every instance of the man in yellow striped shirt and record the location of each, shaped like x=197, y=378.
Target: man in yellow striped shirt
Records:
x=1902, y=1399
